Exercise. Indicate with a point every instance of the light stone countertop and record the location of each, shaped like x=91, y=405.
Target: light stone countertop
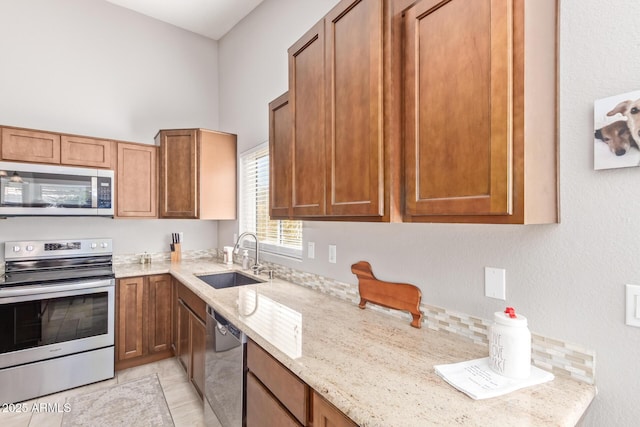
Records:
x=375, y=368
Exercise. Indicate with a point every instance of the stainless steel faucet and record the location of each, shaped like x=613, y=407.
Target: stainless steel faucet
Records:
x=256, y=267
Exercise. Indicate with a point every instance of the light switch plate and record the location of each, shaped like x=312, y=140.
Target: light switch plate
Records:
x=311, y=250
x=332, y=254
x=495, y=285
x=633, y=305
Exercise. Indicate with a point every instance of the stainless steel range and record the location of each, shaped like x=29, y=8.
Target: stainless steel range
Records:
x=56, y=316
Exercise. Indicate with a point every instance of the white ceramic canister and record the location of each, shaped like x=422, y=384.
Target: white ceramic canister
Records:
x=228, y=255
x=510, y=345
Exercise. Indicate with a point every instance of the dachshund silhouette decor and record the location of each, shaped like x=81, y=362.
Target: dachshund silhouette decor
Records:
x=399, y=296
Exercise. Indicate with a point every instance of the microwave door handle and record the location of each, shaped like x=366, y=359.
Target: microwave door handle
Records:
x=94, y=191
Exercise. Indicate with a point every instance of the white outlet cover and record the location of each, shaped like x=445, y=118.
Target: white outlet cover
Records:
x=495, y=284
x=633, y=305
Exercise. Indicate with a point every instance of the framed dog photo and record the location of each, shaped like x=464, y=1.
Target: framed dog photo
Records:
x=616, y=133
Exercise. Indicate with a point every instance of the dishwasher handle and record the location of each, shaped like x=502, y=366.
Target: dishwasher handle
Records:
x=223, y=326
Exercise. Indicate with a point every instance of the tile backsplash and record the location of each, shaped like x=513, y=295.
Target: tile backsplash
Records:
x=556, y=356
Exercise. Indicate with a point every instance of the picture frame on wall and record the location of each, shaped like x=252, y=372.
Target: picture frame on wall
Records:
x=616, y=131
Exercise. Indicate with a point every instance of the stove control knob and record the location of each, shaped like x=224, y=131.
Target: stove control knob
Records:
x=104, y=245
x=29, y=248
x=94, y=245
x=16, y=248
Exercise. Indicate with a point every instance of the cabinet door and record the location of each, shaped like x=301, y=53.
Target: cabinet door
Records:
x=198, y=345
x=306, y=98
x=458, y=89
x=179, y=174
x=30, y=146
x=263, y=409
x=159, y=326
x=325, y=414
x=136, y=180
x=184, y=348
x=131, y=296
x=78, y=151
x=280, y=157
x=354, y=95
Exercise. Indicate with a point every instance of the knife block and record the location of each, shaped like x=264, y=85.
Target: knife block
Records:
x=176, y=255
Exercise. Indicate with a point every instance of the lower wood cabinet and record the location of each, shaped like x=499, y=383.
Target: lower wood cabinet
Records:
x=143, y=320
x=325, y=414
x=276, y=396
x=190, y=334
x=263, y=409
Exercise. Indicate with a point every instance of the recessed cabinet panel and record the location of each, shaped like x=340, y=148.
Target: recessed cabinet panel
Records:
x=30, y=146
x=306, y=97
x=280, y=157
x=354, y=93
x=80, y=151
x=458, y=113
x=131, y=308
x=137, y=188
x=159, y=336
x=179, y=174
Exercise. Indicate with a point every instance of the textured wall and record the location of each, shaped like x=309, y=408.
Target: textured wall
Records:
x=567, y=278
x=91, y=68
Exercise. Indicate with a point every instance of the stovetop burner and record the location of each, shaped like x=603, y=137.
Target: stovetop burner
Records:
x=42, y=262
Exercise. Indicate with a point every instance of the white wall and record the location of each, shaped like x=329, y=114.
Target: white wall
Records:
x=567, y=278
x=92, y=68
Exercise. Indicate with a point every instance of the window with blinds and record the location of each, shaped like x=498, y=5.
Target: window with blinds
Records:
x=283, y=237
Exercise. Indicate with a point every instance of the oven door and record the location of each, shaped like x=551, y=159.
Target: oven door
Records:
x=46, y=321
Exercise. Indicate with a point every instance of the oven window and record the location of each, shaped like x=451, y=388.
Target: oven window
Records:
x=38, y=323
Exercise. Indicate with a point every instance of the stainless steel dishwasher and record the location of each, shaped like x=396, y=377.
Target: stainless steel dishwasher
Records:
x=225, y=376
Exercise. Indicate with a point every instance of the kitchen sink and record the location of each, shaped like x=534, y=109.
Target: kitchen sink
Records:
x=228, y=280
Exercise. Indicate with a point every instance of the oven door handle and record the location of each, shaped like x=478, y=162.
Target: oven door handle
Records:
x=28, y=290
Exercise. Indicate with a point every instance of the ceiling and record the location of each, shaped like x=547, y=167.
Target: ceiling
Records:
x=210, y=18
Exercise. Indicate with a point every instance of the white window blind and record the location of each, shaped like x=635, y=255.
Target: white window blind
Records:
x=282, y=237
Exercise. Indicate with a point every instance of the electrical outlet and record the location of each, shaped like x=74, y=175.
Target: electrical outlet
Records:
x=332, y=254
x=311, y=250
x=495, y=283
x=181, y=235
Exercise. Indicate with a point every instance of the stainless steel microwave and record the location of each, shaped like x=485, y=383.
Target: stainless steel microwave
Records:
x=46, y=190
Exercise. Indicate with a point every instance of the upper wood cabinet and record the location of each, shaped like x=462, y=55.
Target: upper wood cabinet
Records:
x=79, y=151
x=307, y=104
x=280, y=152
x=30, y=146
x=468, y=155
x=197, y=174
x=344, y=141
x=354, y=134
x=136, y=181
x=25, y=145
x=426, y=118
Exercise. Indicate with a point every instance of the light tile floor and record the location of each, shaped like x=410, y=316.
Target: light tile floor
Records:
x=184, y=403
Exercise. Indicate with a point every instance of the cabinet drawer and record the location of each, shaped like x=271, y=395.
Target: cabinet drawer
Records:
x=263, y=409
x=285, y=386
x=192, y=301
